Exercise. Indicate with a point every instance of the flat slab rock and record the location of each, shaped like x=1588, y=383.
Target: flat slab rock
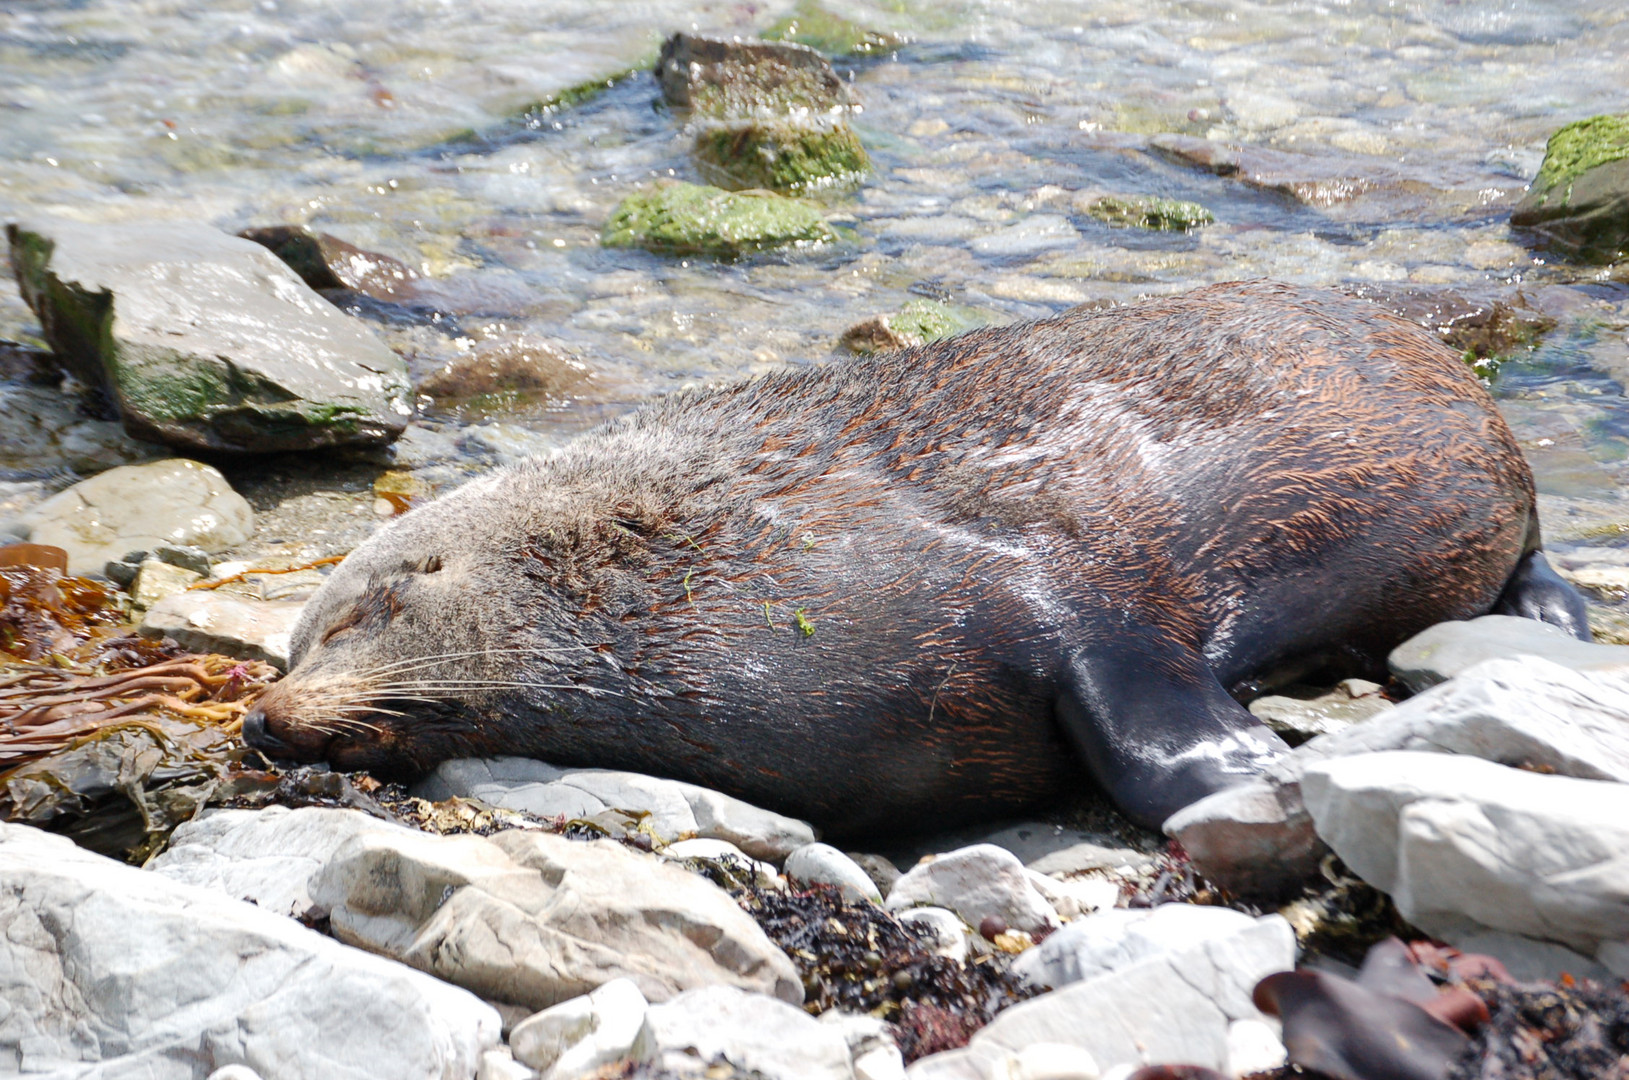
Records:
x=1451, y=648
x=1258, y=837
x=534, y=919
x=111, y=971
x=756, y=1034
x=206, y=340
x=1464, y=845
x=230, y=625
x=138, y=507
x=677, y=809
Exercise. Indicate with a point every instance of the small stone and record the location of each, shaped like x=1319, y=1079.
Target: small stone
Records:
x=507, y=372
x=122, y=574
x=1298, y=719
x=156, y=580
x=992, y=927
x=1098, y=944
x=576, y=1037
x=1051, y=1061
x=791, y=158
x=976, y=882
x=761, y=874
x=916, y=323
x=1072, y=899
x=881, y=1063
x=947, y=933
x=720, y=78
x=186, y=556
x=822, y=864
x=173, y=501
x=1148, y=212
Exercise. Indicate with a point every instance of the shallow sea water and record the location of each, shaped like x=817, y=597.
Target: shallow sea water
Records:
x=413, y=127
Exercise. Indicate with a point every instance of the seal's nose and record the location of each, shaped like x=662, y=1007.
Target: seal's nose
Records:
x=256, y=735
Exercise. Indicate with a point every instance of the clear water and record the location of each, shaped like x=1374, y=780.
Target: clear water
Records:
x=404, y=126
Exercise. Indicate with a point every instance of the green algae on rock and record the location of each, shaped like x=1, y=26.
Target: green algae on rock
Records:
x=1149, y=212
x=732, y=80
x=1579, y=201
x=693, y=219
x=812, y=25
x=783, y=157
x=916, y=323
x=207, y=341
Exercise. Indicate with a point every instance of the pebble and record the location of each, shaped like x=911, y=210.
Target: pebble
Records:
x=976, y=883
x=134, y=507
x=822, y=864
x=946, y=930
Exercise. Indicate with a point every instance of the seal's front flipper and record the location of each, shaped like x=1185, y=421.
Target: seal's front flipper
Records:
x=1155, y=728
x=1536, y=591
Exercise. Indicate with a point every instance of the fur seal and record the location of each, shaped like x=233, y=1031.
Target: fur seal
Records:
x=940, y=583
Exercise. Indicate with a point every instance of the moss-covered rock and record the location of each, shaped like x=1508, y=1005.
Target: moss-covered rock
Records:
x=207, y=341
x=812, y=25
x=693, y=219
x=779, y=156
x=1579, y=202
x=1149, y=212
x=916, y=323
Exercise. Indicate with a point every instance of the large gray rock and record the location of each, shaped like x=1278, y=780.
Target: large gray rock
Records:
x=1464, y=845
x=976, y=883
x=207, y=340
x=1258, y=837
x=756, y=1034
x=264, y=856
x=113, y=972
x=1176, y=1006
x=534, y=919
x=138, y=507
x=676, y=809
x=205, y=621
x=1452, y=648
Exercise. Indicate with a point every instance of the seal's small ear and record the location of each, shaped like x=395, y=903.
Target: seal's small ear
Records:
x=1155, y=727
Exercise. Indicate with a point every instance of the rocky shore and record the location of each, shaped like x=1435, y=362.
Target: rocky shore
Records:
x=198, y=422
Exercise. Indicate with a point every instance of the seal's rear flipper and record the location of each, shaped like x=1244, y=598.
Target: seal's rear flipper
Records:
x=1156, y=728
x=1536, y=591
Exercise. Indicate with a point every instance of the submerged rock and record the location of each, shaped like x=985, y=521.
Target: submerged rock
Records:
x=505, y=372
x=1579, y=201
x=206, y=340
x=535, y=919
x=1148, y=212
x=1483, y=322
x=691, y=219
x=109, y=970
x=138, y=507
x=777, y=155
x=916, y=323
x=811, y=24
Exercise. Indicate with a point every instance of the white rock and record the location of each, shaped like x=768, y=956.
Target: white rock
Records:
x=241, y=1072
x=134, y=974
x=1174, y=1006
x=948, y=930
x=1528, y=959
x=1072, y=899
x=753, y=1032
x=1449, y=649
x=1044, y=847
x=155, y=580
x=576, y=1037
x=883, y=1063
x=822, y=864
x=1115, y=939
x=1047, y=1061
x=1254, y=1046
x=677, y=809
x=264, y=856
x=499, y=1064
x=701, y=847
x=1529, y=711
x=206, y=621
x=535, y=919
x=976, y=882
x=138, y=507
x=1462, y=843
x=959, y=1064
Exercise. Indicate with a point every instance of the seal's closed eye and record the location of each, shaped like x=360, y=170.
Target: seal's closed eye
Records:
x=430, y=565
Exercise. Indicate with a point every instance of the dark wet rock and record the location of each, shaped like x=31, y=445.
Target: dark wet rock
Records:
x=1486, y=322
x=206, y=340
x=690, y=219
x=327, y=262
x=811, y=24
x=1579, y=202
x=916, y=323
x=141, y=506
x=506, y=372
x=733, y=79
x=1148, y=212
x=1442, y=651
x=880, y=869
x=109, y=970
x=185, y=556
x=778, y=155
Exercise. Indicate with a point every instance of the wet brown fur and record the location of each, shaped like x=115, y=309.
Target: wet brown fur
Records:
x=1279, y=478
